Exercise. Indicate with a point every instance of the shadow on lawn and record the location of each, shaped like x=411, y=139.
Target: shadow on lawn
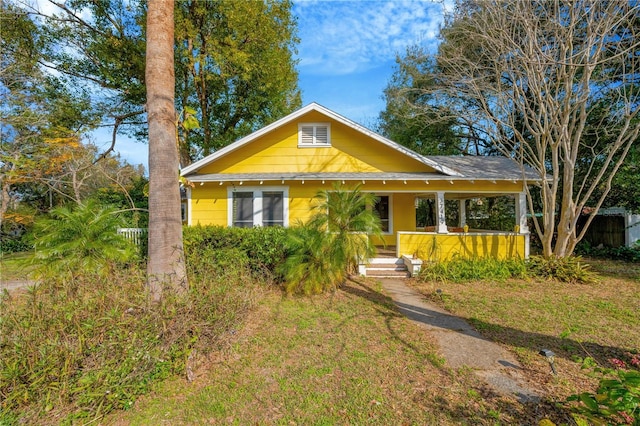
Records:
x=562, y=347
x=530, y=412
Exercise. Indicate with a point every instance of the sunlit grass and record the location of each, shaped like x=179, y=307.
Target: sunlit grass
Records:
x=341, y=358
x=348, y=357
x=573, y=320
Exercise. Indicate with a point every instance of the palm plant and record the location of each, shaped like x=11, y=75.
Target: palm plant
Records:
x=80, y=240
x=327, y=248
x=309, y=268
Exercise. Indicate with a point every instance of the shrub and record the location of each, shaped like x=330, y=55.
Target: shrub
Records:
x=568, y=269
x=198, y=238
x=617, y=398
x=81, y=347
x=628, y=254
x=322, y=252
x=81, y=239
x=461, y=269
x=10, y=244
x=265, y=246
x=222, y=262
x=311, y=268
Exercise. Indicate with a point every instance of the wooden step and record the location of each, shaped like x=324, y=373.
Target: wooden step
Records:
x=387, y=273
x=385, y=267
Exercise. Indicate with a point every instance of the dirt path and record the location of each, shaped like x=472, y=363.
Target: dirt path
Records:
x=460, y=344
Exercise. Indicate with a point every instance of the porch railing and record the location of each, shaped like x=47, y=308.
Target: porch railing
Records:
x=431, y=246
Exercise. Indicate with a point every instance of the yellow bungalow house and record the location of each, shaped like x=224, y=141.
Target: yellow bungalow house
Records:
x=270, y=177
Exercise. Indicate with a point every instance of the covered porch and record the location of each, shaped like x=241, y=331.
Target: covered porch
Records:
x=440, y=225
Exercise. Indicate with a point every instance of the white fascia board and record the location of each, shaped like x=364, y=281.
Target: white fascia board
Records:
x=245, y=140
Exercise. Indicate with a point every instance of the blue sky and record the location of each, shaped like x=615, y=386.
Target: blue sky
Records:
x=346, y=54
x=347, y=49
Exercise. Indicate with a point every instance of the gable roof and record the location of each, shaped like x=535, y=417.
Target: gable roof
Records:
x=460, y=167
x=330, y=114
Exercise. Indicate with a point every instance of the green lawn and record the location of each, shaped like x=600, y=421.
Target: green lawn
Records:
x=598, y=320
x=349, y=358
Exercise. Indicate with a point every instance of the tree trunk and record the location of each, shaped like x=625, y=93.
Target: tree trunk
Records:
x=166, y=265
x=4, y=200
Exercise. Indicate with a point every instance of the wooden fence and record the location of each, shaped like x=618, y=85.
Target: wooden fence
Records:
x=606, y=230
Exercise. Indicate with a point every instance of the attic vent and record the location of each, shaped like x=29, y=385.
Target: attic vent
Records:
x=314, y=134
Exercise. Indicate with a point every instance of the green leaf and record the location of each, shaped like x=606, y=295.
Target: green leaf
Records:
x=191, y=123
x=589, y=401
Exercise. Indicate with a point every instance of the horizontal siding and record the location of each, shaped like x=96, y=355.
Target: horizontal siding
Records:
x=209, y=201
x=300, y=202
x=209, y=205
x=404, y=213
x=350, y=151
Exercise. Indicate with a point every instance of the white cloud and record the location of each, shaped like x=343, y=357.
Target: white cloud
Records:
x=343, y=37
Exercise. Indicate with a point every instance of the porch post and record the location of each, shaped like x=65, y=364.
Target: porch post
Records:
x=462, y=212
x=521, y=212
x=442, y=219
x=521, y=221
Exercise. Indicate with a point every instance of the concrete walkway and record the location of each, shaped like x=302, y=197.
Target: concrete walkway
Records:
x=460, y=344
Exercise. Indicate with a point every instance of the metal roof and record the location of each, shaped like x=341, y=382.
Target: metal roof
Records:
x=486, y=167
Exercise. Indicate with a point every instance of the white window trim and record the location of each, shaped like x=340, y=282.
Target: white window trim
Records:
x=314, y=144
x=390, y=195
x=257, y=202
x=189, y=206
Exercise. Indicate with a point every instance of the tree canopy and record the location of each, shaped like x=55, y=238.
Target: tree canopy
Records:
x=551, y=84
x=234, y=64
x=81, y=66
x=408, y=117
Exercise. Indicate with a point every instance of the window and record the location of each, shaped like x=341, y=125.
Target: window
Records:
x=183, y=211
x=258, y=206
x=381, y=208
x=314, y=134
x=272, y=208
x=243, y=209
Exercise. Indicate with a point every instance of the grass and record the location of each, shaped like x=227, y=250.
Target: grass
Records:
x=72, y=351
x=342, y=358
x=573, y=320
x=348, y=357
x=11, y=268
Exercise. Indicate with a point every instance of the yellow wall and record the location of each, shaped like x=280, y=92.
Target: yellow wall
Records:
x=209, y=205
x=209, y=201
x=350, y=151
x=437, y=247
